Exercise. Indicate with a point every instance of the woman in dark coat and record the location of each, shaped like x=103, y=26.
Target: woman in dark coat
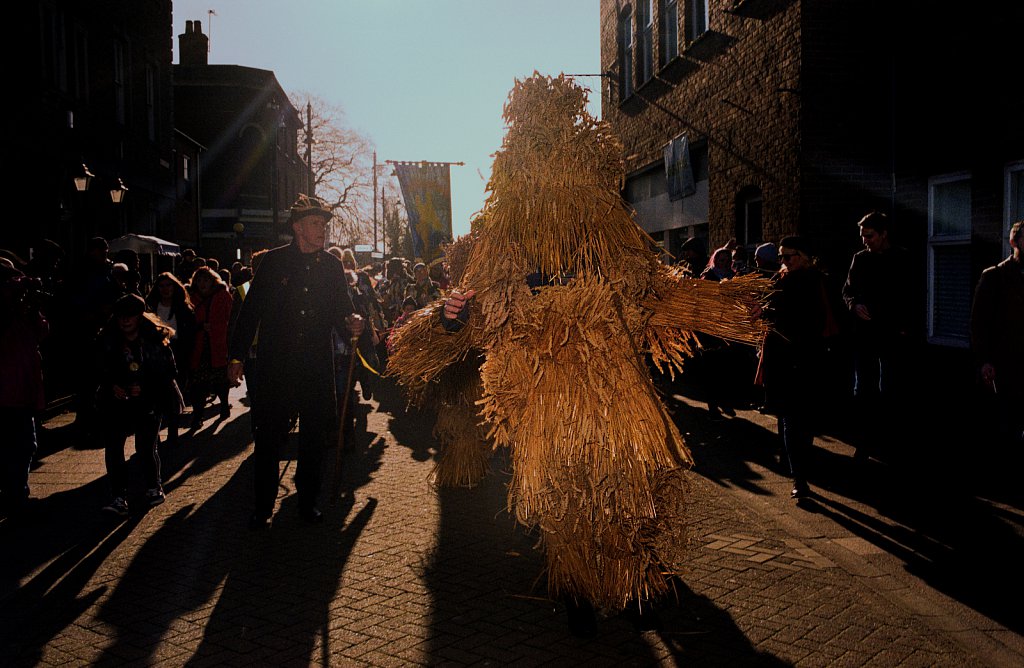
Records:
x=794, y=354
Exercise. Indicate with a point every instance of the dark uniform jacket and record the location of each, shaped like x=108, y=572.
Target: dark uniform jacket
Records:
x=295, y=301
x=997, y=322
x=793, y=355
x=884, y=283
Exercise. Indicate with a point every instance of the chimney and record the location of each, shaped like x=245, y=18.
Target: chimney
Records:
x=193, y=45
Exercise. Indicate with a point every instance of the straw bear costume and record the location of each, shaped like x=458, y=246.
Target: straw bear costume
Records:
x=557, y=371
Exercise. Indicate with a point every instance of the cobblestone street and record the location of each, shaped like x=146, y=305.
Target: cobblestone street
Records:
x=404, y=574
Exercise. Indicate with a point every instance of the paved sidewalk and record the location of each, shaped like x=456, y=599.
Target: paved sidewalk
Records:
x=405, y=574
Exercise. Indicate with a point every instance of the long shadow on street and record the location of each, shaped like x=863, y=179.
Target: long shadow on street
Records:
x=934, y=513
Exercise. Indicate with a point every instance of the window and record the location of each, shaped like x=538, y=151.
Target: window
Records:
x=151, y=102
x=119, y=83
x=696, y=19
x=1013, y=209
x=80, y=66
x=949, y=259
x=626, y=55
x=645, y=23
x=748, y=216
x=669, y=17
x=54, y=47
x=186, y=168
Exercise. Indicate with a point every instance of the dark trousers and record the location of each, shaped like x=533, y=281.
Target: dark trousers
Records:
x=117, y=424
x=18, y=427
x=797, y=441
x=272, y=426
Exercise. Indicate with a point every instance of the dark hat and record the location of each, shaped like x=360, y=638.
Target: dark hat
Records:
x=796, y=243
x=309, y=206
x=767, y=252
x=130, y=304
x=695, y=245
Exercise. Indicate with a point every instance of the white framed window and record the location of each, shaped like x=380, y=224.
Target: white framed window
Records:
x=668, y=15
x=949, y=259
x=1013, y=200
x=645, y=24
x=696, y=19
x=186, y=168
x=749, y=217
x=626, y=55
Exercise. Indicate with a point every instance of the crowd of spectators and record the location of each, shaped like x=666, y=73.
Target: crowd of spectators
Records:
x=89, y=328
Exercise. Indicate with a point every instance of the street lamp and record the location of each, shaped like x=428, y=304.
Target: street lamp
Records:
x=239, y=229
x=83, y=180
x=117, y=194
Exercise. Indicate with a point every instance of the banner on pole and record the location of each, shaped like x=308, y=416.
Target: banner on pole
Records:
x=426, y=189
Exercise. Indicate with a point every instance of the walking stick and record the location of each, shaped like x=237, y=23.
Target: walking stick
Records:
x=343, y=415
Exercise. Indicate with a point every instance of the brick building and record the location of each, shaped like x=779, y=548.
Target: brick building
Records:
x=250, y=169
x=799, y=116
x=88, y=84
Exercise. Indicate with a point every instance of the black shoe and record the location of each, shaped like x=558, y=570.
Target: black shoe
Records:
x=800, y=491
x=259, y=522
x=225, y=411
x=312, y=515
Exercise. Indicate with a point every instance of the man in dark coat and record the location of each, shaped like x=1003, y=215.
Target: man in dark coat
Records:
x=880, y=296
x=298, y=296
x=997, y=335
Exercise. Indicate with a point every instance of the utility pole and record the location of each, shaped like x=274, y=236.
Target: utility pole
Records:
x=374, y=201
x=309, y=149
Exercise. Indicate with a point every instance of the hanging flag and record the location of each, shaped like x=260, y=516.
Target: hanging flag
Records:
x=678, y=170
x=427, y=191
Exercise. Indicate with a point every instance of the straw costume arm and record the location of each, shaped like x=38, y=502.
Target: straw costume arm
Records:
x=423, y=349
x=681, y=306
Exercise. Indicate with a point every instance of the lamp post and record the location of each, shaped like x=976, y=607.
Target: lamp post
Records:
x=83, y=180
x=239, y=229
x=117, y=193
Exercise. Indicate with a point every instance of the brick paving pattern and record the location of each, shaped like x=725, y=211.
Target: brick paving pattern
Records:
x=405, y=574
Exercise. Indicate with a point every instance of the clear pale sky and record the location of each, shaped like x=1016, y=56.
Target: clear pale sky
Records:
x=422, y=79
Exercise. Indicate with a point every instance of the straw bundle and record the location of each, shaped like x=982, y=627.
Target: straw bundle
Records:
x=597, y=461
x=721, y=309
x=422, y=350
x=465, y=449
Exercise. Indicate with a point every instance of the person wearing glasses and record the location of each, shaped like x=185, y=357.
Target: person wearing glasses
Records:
x=794, y=353
x=297, y=298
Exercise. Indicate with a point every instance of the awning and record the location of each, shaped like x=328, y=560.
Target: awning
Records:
x=143, y=244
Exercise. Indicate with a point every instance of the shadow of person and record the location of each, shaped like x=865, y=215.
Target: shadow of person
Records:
x=195, y=456
x=725, y=451
x=411, y=427
x=48, y=563
x=270, y=591
x=699, y=633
